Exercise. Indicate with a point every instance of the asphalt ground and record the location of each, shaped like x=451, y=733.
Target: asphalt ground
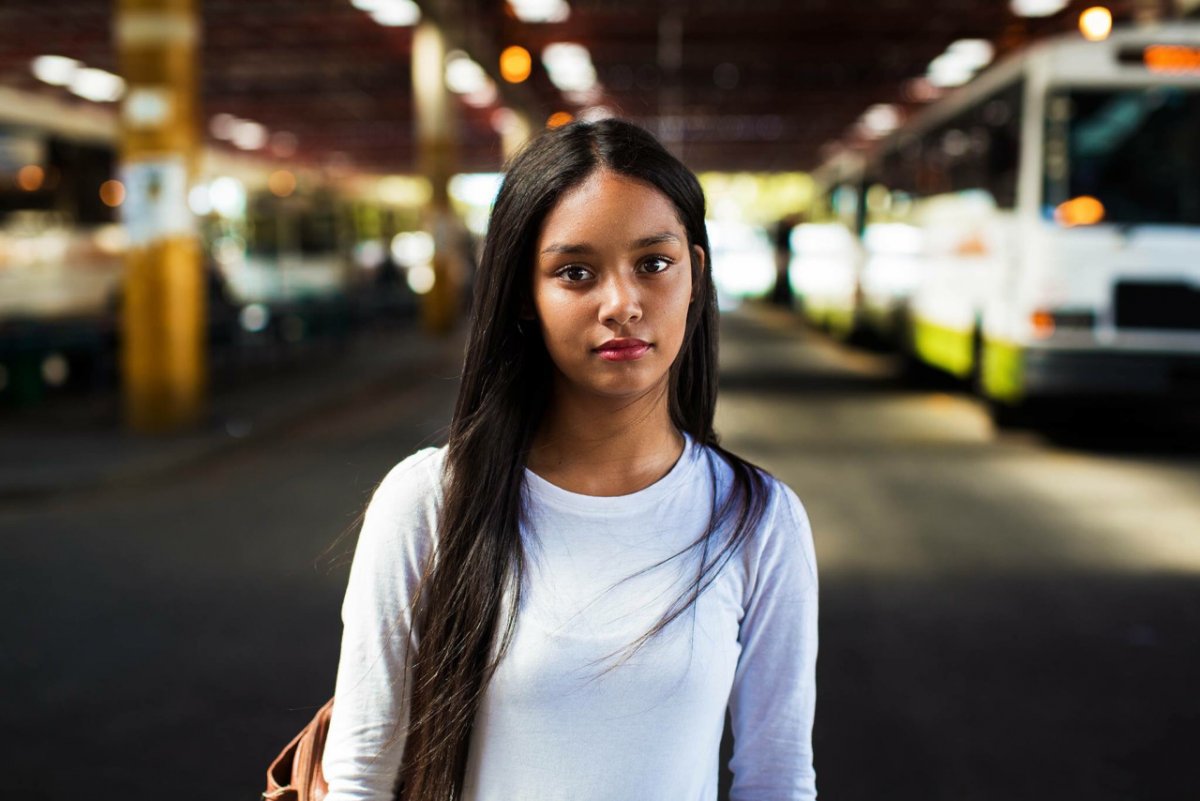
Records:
x=1004, y=615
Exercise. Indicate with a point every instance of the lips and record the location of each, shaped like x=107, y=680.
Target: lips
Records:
x=623, y=350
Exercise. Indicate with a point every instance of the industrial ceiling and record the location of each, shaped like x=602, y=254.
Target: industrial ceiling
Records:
x=730, y=84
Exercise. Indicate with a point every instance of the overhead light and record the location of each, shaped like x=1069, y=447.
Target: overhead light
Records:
x=249, y=136
x=570, y=66
x=282, y=183
x=199, y=201
x=464, y=76
x=1082, y=210
x=596, y=113
x=55, y=70
x=591, y=97
x=482, y=98
x=476, y=189
x=880, y=120
x=411, y=248
x=1037, y=8
x=515, y=64
x=976, y=53
x=960, y=62
x=222, y=126
x=97, y=85
x=920, y=90
x=395, y=13
x=947, y=70
x=540, y=10
x=227, y=197
x=112, y=193
x=1096, y=23
x=403, y=190
x=31, y=177
x=421, y=278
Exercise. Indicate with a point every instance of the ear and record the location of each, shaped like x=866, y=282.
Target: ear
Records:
x=700, y=266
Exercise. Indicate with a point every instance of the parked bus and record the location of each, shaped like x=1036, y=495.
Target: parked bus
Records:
x=827, y=253
x=291, y=259
x=1038, y=231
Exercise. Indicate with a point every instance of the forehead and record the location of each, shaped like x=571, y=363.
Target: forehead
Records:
x=609, y=208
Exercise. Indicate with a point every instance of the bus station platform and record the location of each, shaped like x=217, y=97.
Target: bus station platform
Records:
x=988, y=598
x=78, y=444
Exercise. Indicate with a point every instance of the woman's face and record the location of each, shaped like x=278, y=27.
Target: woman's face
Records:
x=612, y=283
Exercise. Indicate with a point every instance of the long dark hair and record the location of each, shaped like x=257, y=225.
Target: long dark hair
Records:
x=505, y=382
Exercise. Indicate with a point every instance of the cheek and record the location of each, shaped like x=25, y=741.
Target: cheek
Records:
x=680, y=305
x=560, y=315
x=564, y=324
x=672, y=316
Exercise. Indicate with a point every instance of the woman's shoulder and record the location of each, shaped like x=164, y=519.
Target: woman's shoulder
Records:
x=411, y=488
x=783, y=523
x=397, y=533
x=419, y=473
x=787, y=539
x=776, y=496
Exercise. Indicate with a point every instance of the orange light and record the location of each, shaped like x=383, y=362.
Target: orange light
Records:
x=30, y=177
x=112, y=193
x=1096, y=23
x=1082, y=210
x=558, y=119
x=1043, y=324
x=282, y=183
x=1172, y=58
x=973, y=245
x=515, y=64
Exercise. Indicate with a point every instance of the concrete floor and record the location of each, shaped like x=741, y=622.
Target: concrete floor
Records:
x=1003, y=617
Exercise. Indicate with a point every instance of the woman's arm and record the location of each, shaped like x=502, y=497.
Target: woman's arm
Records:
x=774, y=689
x=370, y=713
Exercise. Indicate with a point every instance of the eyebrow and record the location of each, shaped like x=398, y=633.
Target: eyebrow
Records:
x=663, y=237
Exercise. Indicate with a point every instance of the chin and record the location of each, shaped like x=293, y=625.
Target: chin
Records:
x=627, y=387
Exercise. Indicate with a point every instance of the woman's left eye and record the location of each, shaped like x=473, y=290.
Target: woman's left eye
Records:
x=655, y=264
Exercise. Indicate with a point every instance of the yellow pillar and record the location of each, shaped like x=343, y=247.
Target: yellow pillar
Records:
x=163, y=363
x=437, y=156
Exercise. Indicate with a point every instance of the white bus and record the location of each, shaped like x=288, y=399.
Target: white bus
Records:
x=827, y=252
x=1038, y=231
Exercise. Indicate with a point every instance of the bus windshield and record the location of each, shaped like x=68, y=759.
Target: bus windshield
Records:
x=1137, y=151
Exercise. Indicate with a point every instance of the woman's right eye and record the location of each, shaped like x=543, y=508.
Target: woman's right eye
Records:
x=573, y=273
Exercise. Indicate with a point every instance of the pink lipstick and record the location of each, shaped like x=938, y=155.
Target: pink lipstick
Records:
x=623, y=350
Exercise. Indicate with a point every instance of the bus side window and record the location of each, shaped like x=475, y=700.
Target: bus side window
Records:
x=1002, y=117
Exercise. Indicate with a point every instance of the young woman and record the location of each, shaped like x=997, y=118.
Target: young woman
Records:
x=560, y=604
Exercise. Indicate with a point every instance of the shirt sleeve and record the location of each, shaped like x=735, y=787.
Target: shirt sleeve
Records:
x=773, y=698
x=365, y=745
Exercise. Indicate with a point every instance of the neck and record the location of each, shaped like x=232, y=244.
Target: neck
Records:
x=604, y=446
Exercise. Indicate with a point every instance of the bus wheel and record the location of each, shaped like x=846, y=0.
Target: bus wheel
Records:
x=975, y=376
x=912, y=370
x=915, y=373
x=1007, y=416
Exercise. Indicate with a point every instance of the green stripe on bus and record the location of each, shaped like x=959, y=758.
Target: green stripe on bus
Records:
x=1003, y=371
x=946, y=348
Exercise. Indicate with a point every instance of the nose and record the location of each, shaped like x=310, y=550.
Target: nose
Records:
x=620, y=304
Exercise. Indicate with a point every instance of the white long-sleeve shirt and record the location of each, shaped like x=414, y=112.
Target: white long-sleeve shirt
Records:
x=552, y=728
